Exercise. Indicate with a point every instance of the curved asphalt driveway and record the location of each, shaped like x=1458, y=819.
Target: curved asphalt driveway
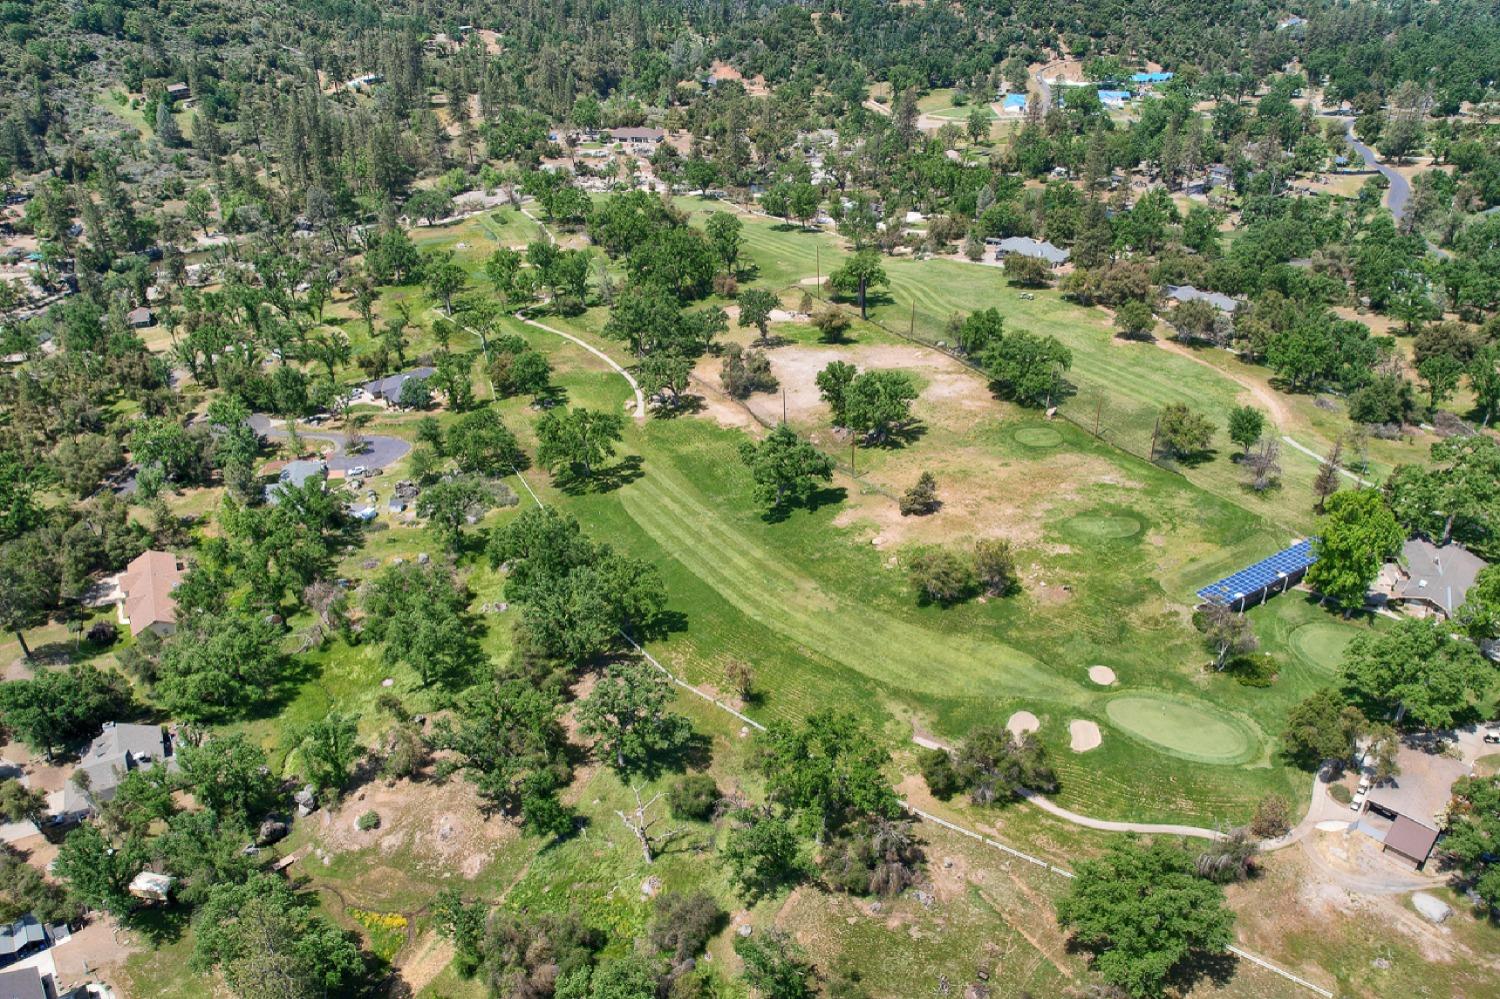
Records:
x=380, y=450
x=1399, y=192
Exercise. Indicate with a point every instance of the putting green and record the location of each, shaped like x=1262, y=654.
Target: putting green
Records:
x=1321, y=643
x=1038, y=437
x=1103, y=526
x=1185, y=728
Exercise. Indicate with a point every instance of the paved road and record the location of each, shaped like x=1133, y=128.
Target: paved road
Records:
x=380, y=450
x=1397, y=195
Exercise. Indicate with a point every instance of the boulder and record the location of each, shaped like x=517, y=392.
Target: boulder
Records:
x=307, y=800
x=1430, y=907
x=271, y=831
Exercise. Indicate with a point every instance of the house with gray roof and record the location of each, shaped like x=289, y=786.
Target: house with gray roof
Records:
x=1187, y=293
x=1432, y=580
x=294, y=475
x=1025, y=246
x=23, y=983
x=118, y=749
x=388, y=389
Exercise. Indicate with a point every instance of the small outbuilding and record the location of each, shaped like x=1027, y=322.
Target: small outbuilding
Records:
x=1410, y=839
x=152, y=886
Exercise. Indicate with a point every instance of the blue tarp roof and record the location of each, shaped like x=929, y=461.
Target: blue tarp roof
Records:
x=1117, y=95
x=1150, y=77
x=1015, y=102
x=1260, y=575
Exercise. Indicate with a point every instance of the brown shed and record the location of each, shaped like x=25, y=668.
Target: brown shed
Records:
x=1411, y=839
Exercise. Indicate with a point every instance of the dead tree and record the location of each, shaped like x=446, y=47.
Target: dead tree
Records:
x=637, y=822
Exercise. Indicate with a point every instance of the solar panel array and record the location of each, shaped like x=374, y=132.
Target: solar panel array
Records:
x=1262, y=574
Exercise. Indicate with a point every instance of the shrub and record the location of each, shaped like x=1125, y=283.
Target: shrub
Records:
x=1340, y=793
x=103, y=633
x=684, y=922
x=937, y=770
x=995, y=565
x=1254, y=670
x=693, y=797
x=369, y=820
x=1273, y=817
x=746, y=371
x=942, y=576
x=921, y=499
x=726, y=286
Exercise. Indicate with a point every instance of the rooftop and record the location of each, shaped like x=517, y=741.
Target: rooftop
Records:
x=1441, y=576
x=1028, y=247
x=22, y=983
x=389, y=387
x=1187, y=293
x=24, y=932
x=148, y=584
x=1410, y=838
x=117, y=750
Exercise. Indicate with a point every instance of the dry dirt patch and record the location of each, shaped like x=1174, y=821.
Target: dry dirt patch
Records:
x=440, y=826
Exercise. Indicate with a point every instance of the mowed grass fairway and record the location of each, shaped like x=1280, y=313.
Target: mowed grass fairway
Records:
x=1111, y=551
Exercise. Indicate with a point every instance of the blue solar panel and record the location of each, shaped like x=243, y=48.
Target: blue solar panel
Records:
x=1262, y=574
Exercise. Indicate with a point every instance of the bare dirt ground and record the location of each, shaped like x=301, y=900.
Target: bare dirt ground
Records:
x=439, y=826
x=983, y=493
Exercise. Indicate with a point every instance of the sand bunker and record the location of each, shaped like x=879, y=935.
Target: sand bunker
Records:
x=1083, y=736
x=1102, y=675
x=1022, y=722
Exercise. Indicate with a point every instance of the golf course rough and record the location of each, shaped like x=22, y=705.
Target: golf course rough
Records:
x=1185, y=728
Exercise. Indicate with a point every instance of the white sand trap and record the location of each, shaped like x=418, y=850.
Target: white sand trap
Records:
x=1083, y=736
x=1022, y=722
x=1102, y=675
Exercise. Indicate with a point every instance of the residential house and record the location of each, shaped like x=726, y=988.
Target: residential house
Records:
x=387, y=390
x=147, y=585
x=1025, y=246
x=24, y=983
x=638, y=140
x=178, y=92
x=1431, y=581
x=1187, y=293
x=1114, y=99
x=1014, y=103
x=117, y=750
x=140, y=317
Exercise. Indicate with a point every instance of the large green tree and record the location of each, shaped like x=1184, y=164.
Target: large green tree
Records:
x=857, y=276
x=827, y=771
x=1026, y=367
x=1473, y=839
x=420, y=613
x=1142, y=912
x=627, y=714
x=1356, y=535
x=1417, y=671
x=220, y=666
x=786, y=469
x=577, y=440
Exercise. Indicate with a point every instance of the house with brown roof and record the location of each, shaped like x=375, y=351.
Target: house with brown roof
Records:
x=147, y=586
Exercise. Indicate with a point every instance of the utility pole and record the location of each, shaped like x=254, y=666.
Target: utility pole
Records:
x=911, y=330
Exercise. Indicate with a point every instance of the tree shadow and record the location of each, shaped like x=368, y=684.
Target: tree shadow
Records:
x=605, y=480
x=820, y=498
x=902, y=436
x=552, y=395
x=685, y=405
x=1218, y=968
x=161, y=925
x=667, y=622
